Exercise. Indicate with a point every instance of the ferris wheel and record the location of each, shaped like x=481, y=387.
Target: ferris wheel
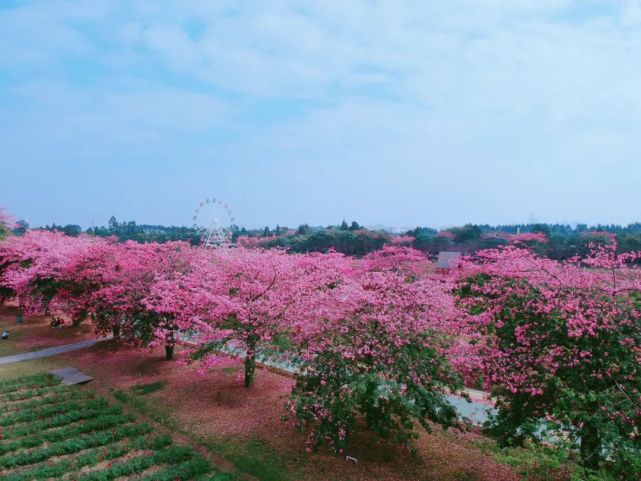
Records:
x=213, y=220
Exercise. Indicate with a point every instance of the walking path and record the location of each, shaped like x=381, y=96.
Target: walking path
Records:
x=51, y=351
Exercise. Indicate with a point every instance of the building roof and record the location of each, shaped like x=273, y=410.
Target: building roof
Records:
x=448, y=259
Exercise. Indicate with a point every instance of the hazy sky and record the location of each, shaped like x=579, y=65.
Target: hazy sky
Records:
x=425, y=112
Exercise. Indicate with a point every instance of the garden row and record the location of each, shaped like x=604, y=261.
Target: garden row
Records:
x=62, y=432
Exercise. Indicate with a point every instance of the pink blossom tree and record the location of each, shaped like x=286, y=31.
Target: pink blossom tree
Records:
x=36, y=264
x=381, y=356
x=563, y=348
x=89, y=277
x=398, y=258
x=125, y=275
x=239, y=298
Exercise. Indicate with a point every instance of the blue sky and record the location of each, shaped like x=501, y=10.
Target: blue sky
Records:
x=398, y=113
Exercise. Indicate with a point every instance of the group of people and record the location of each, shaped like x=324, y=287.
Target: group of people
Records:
x=57, y=322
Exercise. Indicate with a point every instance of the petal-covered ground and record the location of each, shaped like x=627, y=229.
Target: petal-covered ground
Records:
x=246, y=426
x=35, y=332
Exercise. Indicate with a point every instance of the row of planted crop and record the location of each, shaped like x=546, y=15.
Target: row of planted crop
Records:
x=53, y=431
x=63, y=419
x=100, y=422
x=36, y=381
x=90, y=457
x=53, y=396
x=48, y=411
x=177, y=462
x=29, y=393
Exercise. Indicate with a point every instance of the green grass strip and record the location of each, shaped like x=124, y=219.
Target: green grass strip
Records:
x=220, y=476
x=184, y=471
x=144, y=389
x=70, y=446
x=169, y=455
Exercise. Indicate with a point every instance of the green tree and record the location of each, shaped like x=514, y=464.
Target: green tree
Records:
x=303, y=229
x=21, y=227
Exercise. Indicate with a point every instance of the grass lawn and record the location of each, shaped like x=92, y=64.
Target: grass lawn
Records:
x=64, y=432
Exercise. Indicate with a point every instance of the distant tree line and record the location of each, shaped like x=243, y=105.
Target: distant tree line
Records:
x=144, y=233
x=564, y=241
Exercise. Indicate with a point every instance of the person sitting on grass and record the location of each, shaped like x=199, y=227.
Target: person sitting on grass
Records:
x=57, y=322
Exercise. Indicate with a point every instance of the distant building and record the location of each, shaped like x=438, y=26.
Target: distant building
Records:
x=447, y=260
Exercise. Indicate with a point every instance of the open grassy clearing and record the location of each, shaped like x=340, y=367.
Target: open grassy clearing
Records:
x=50, y=431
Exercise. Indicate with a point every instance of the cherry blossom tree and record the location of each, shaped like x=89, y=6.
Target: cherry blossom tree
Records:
x=402, y=240
x=399, y=258
x=89, y=277
x=239, y=299
x=380, y=356
x=563, y=348
x=36, y=264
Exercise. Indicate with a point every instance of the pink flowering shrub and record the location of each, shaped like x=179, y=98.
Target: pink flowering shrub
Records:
x=446, y=234
x=394, y=257
x=250, y=242
x=527, y=238
x=562, y=349
x=402, y=240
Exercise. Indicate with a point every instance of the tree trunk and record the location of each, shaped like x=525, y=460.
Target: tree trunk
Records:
x=170, y=343
x=75, y=322
x=590, y=447
x=250, y=369
x=116, y=332
x=250, y=363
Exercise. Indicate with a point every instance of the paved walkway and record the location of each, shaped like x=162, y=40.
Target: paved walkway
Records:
x=51, y=351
